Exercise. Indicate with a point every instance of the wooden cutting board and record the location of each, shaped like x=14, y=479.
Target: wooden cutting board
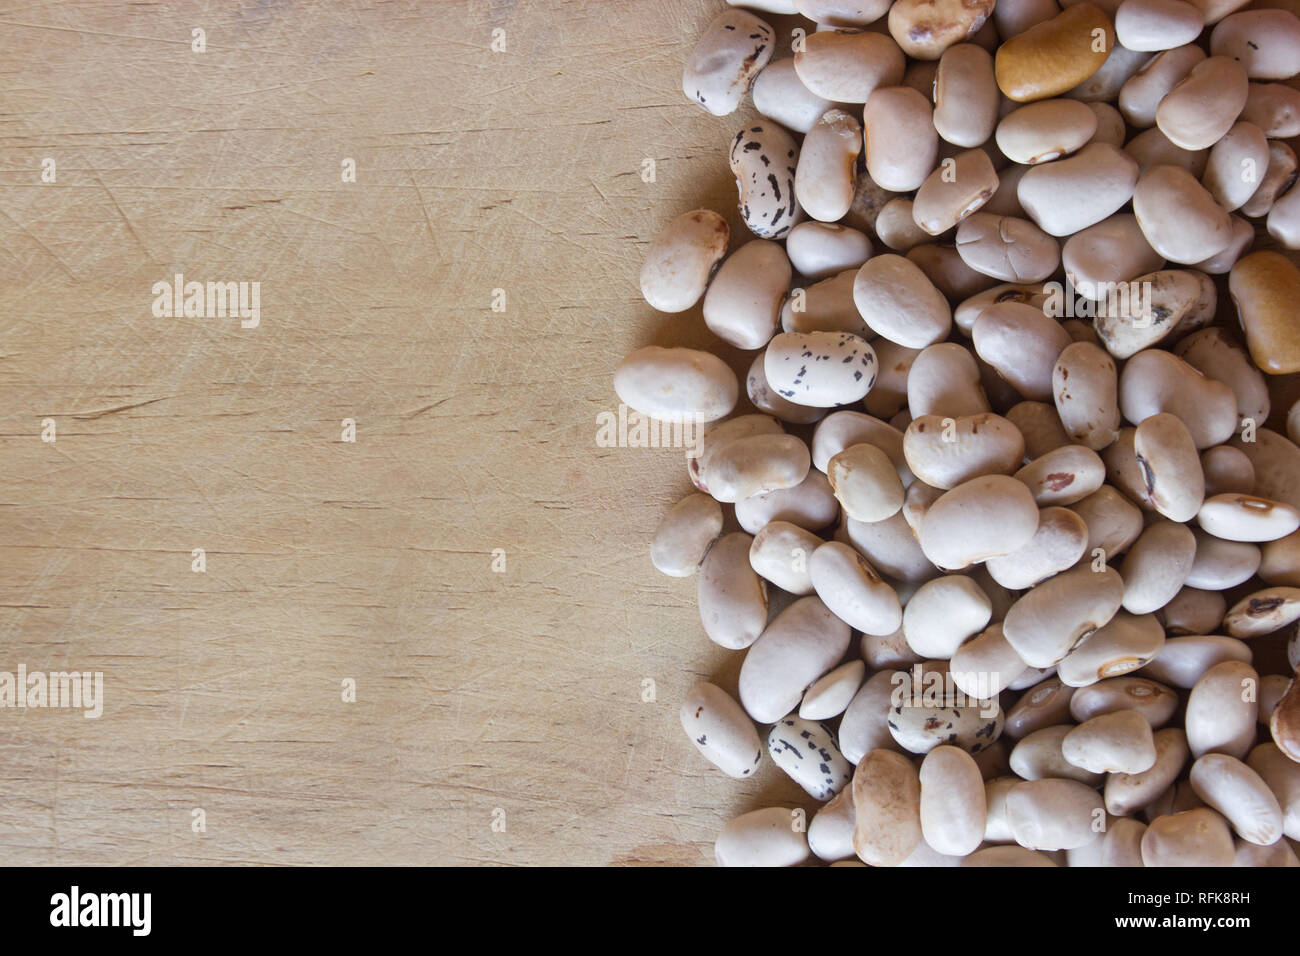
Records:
x=515, y=696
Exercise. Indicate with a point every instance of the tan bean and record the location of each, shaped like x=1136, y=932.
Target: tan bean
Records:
x=1055, y=55
x=831, y=694
x=945, y=268
x=1193, y=611
x=1284, y=724
x=1282, y=775
x=1263, y=612
x=842, y=13
x=1038, y=756
x=1265, y=287
x=985, y=665
x=1063, y=476
x=757, y=464
x=1184, y=660
x=1243, y=236
x=1112, y=251
x=1284, y=219
x=1227, y=470
x=716, y=437
x=1277, y=465
x=887, y=796
x=1138, y=314
x=845, y=428
x=1216, y=10
x=1001, y=856
x=1121, y=63
x=864, y=726
x=889, y=395
x=926, y=28
x=1152, y=148
x=1179, y=218
x=1110, y=124
x=733, y=599
x=1220, y=564
x=1236, y=164
x=1175, y=483
x=830, y=831
x=1122, y=843
x=780, y=552
x=810, y=505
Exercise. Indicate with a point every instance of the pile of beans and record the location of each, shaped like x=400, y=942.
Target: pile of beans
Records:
x=1007, y=543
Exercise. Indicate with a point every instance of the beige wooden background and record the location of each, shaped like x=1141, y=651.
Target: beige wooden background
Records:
x=327, y=560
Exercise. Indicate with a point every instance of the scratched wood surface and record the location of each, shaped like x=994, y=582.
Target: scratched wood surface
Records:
x=327, y=560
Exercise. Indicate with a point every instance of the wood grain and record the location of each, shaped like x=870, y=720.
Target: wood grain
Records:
x=329, y=560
